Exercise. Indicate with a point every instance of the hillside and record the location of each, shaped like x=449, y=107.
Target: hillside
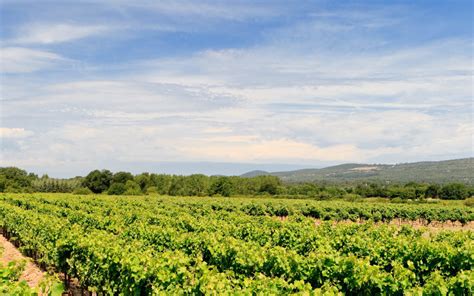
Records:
x=255, y=174
x=458, y=170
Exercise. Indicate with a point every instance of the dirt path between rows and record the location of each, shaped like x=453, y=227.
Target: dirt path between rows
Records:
x=433, y=226
x=32, y=274
x=417, y=224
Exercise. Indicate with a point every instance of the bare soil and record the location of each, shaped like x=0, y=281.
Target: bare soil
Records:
x=434, y=225
x=32, y=274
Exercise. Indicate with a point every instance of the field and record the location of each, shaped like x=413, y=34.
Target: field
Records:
x=141, y=245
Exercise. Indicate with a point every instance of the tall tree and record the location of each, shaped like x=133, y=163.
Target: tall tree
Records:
x=454, y=191
x=122, y=177
x=98, y=181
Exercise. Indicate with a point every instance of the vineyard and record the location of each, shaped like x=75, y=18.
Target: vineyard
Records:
x=147, y=245
x=9, y=279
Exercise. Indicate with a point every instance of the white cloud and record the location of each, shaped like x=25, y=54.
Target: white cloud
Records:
x=45, y=33
x=14, y=133
x=25, y=60
x=305, y=94
x=252, y=149
x=234, y=108
x=202, y=9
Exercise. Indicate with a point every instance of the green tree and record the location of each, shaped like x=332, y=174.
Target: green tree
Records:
x=143, y=180
x=98, y=181
x=432, y=191
x=178, y=186
x=122, y=177
x=454, y=191
x=222, y=186
x=15, y=179
x=116, y=189
x=3, y=183
x=198, y=185
x=132, y=188
x=269, y=184
x=152, y=190
x=162, y=182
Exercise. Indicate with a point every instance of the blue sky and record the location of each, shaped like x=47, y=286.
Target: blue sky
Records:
x=223, y=87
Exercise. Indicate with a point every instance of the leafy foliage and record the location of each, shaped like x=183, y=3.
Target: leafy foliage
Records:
x=15, y=180
x=98, y=181
x=454, y=191
x=166, y=245
x=116, y=189
x=9, y=280
x=10, y=283
x=82, y=191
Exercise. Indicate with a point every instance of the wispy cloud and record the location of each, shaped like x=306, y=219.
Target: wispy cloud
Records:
x=14, y=133
x=241, y=10
x=25, y=60
x=49, y=33
x=319, y=85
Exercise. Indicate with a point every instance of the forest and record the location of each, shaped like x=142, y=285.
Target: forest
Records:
x=13, y=180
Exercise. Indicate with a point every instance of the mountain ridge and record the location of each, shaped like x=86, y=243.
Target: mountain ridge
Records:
x=445, y=171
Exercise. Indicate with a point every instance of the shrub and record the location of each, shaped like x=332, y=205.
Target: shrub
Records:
x=454, y=191
x=116, y=189
x=397, y=200
x=432, y=191
x=132, y=188
x=324, y=195
x=469, y=202
x=352, y=197
x=254, y=209
x=12, y=189
x=152, y=190
x=82, y=191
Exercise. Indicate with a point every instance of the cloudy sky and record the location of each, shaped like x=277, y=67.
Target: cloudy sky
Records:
x=229, y=86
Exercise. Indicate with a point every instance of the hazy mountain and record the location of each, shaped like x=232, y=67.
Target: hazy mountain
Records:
x=255, y=173
x=457, y=170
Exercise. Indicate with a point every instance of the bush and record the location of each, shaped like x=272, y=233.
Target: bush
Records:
x=12, y=189
x=133, y=192
x=324, y=195
x=469, y=202
x=132, y=188
x=253, y=209
x=398, y=200
x=82, y=191
x=432, y=191
x=116, y=189
x=454, y=191
x=352, y=197
x=152, y=190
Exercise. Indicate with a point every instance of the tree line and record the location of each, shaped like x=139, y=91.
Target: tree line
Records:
x=13, y=179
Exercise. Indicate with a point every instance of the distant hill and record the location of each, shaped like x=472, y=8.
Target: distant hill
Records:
x=458, y=170
x=255, y=174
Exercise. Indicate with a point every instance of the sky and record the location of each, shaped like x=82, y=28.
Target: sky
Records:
x=224, y=87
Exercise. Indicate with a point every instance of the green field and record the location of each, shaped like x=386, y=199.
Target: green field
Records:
x=142, y=245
